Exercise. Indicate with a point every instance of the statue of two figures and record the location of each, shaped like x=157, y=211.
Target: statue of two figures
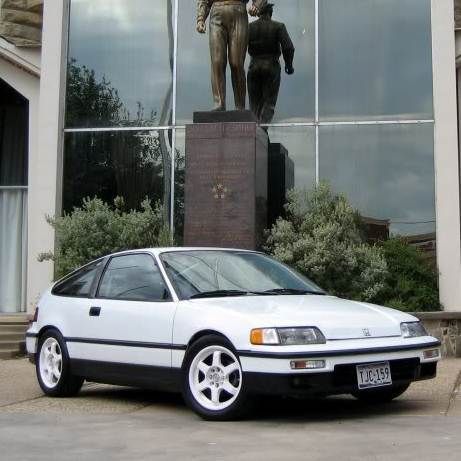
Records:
x=231, y=36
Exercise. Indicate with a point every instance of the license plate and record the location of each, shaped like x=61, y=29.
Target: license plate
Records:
x=374, y=375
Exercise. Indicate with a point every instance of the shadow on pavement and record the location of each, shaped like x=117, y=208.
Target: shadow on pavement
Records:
x=266, y=408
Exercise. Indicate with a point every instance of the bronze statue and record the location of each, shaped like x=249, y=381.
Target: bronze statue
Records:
x=228, y=40
x=268, y=40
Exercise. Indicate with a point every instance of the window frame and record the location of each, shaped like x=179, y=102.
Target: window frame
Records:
x=106, y=265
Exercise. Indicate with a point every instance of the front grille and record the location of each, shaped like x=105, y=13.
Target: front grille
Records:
x=401, y=370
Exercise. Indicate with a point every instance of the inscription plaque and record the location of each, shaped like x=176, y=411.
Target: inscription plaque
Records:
x=226, y=185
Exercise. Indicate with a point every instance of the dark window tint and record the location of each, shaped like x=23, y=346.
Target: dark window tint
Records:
x=133, y=277
x=79, y=284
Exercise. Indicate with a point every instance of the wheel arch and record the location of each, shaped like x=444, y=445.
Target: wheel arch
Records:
x=201, y=334
x=46, y=328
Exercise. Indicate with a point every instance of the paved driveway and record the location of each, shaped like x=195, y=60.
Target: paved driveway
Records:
x=106, y=422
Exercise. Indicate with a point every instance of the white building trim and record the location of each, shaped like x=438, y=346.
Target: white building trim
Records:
x=44, y=167
x=446, y=154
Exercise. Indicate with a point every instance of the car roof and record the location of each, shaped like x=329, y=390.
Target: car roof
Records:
x=158, y=251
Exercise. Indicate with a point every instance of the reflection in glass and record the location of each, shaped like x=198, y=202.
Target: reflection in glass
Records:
x=386, y=171
x=123, y=51
x=179, y=183
x=110, y=164
x=300, y=144
x=375, y=59
x=297, y=92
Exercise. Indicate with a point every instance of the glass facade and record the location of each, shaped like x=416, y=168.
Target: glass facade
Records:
x=358, y=111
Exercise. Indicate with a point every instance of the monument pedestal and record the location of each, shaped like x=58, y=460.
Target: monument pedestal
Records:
x=226, y=181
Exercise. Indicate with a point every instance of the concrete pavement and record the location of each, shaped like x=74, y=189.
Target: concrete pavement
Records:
x=106, y=422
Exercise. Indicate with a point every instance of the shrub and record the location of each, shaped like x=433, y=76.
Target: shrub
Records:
x=411, y=283
x=97, y=229
x=321, y=237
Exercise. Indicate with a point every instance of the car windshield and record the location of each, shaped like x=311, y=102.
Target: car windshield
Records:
x=208, y=273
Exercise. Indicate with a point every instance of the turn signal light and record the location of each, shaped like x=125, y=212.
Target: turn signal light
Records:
x=261, y=336
x=431, y=354
x=307, y=364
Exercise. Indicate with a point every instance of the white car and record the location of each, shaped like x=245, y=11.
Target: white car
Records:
x=220, y=326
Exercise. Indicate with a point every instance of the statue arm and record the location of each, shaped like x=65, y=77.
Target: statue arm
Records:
x=203, y=10
x=288, y=49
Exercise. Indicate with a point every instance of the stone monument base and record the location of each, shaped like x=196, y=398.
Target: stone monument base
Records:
x=226, y=181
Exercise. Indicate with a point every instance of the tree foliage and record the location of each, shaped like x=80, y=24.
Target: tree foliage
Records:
x=412, y=282
x=321, y=237
x=97, y=229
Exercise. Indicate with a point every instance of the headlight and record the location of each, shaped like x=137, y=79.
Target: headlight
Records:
x=412, y=329
x=287, y=336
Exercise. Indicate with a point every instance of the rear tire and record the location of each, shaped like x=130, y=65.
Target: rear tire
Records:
x=377, y=396
x=213, y=384
x=53, y=367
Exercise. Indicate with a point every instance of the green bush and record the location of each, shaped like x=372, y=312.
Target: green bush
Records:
x=321, y=237
x=412, y=282
x=97, y=229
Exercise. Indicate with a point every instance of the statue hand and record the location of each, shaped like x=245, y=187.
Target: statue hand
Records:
x=201, y=27
x=254, y=11
x=290, y=70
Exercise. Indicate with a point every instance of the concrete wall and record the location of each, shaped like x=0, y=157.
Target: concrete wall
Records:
x=43, y=197
x=446, y=154
x=446, y=327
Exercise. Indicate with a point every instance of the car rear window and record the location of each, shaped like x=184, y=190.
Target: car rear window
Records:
x=79, y=283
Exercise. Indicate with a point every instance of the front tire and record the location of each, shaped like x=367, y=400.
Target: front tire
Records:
x=53, y=367
x=213, y=384
x=377, y=396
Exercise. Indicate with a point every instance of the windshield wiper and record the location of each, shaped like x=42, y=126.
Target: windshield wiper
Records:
x=219, y=294
x=293, y=291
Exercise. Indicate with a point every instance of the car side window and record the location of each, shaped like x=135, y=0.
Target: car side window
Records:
x=133, y=278
x=80, y=283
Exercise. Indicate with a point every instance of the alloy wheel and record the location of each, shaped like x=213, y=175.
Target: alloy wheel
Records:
x=215, y=378
x=50, y=362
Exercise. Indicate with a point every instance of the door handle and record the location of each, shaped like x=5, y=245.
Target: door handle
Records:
x=95, y=311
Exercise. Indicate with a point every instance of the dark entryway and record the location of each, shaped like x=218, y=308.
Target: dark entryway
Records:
x=14, y=131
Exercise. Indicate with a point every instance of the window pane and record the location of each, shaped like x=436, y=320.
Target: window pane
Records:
x=300, y=144
x=297, y=92
x=375, y=59
x=133, y=277
x=179, y=183
x=14, y=129
x=120, y=63
x=80, y=283
x=111, y=164
x=386, y=171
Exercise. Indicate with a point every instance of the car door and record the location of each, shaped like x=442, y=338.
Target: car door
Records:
x=130, y=319
x=71, y=300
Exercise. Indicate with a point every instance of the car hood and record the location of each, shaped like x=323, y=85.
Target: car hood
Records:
x=336, y=318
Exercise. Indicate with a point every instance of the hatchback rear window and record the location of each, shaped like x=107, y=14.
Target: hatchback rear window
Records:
x=79, y=284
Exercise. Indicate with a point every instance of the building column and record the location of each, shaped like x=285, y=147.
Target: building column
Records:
x=45, y=165
x=446, y=154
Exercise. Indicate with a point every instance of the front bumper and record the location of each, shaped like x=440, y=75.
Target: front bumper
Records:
x=342, y=380
x=269, y=371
